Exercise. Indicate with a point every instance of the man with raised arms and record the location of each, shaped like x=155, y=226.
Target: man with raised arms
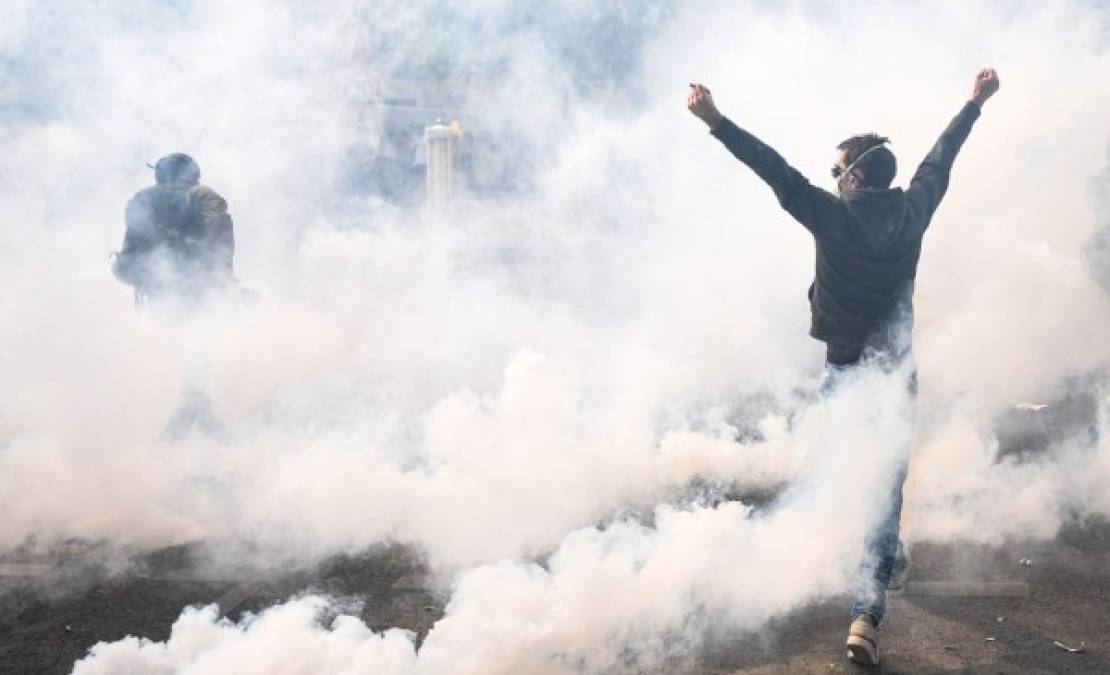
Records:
x=868, y=240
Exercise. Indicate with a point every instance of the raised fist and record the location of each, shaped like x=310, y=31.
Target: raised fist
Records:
x=986, y=84
x=700, y=102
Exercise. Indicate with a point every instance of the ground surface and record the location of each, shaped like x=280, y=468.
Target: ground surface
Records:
x=49, y=620
x=1069, y=601
x=55, y=605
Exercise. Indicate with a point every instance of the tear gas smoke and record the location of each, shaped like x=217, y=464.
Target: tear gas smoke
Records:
x=611, y=302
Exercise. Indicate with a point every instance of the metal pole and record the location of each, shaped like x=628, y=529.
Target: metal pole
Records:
x=440, y=139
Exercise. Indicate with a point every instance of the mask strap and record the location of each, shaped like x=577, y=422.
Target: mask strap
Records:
x=856, y=161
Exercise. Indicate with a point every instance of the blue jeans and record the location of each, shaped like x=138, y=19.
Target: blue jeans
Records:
x=883, y=544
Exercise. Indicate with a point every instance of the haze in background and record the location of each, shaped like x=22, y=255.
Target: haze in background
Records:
x=588, y=330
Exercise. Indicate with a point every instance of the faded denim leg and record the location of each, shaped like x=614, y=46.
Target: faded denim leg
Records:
x=883, y=548
x=883, y=545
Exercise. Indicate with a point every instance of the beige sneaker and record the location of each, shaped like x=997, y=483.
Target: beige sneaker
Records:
x=863, y=641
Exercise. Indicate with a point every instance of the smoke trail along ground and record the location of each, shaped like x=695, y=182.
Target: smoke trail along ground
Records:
x=514, y=617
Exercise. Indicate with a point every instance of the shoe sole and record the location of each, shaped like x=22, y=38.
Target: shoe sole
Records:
x=860, y=650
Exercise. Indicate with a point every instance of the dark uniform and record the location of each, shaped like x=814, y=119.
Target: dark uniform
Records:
x=179, y=240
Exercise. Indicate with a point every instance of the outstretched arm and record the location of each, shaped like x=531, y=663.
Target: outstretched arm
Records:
x=810, y=206
x=930, y=182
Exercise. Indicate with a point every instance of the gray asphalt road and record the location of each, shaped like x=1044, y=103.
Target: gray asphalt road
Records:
x=1068, y=601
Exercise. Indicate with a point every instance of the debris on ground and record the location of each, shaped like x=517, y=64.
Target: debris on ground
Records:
x=1073, y=650
x=1031, y=407
x=1025, y=562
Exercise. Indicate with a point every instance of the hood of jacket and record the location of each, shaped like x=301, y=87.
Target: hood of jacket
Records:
x=877, y=217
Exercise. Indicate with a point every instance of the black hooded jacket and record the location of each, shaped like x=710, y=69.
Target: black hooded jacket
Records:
x=868, y=240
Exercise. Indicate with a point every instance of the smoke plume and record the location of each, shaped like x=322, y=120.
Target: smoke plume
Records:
x=611, y=308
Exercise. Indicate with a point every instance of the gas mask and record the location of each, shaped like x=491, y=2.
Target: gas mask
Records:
x=846, y=181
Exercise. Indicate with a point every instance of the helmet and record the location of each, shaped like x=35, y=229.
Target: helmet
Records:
x=177, y=168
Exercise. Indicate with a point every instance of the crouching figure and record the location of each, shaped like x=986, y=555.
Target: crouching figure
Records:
x=179, y=243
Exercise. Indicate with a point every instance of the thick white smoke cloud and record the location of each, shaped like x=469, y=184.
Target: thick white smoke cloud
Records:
x=616, y=599
x=585, y=341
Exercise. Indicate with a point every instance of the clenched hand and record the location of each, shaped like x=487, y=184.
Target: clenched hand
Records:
x=986, y=84
x=700, y=102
